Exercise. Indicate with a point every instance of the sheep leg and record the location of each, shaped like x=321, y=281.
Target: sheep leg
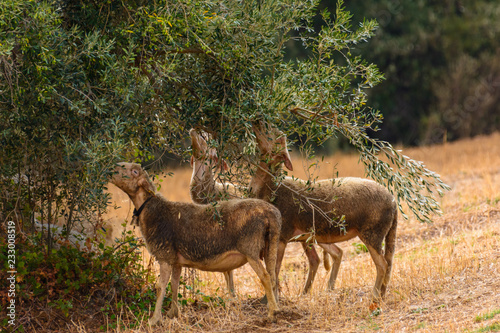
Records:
x=270, y=259
x=326, y=261
x=336, y=253
x=279, y=260
x=387, y=277
x=381, y=265
x=265, y=278
x=176, y=276
x=230, y=282
x=165, y=271
x=390, y=247
x=314, y=262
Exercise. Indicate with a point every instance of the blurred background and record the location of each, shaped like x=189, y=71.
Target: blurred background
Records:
x=441, y=61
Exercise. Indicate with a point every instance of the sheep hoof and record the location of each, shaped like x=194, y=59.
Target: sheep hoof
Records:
x=272, y=318
x=173, y=312
x=153, y=321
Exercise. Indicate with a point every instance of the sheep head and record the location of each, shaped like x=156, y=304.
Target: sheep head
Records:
x=272, y=145
x=201, y=151
x=131, y=178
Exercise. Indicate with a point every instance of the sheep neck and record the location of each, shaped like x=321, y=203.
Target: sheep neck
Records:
x=140, y=197
x=137, y=212
x=202, y=180
x=262, y=184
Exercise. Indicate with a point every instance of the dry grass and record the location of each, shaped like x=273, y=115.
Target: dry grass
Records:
x=446, y=275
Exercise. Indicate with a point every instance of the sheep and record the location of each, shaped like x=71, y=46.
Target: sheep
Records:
x=204, y=189
x=192, y=235
x=343, y=209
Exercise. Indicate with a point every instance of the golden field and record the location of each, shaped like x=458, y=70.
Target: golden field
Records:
x=446, y=275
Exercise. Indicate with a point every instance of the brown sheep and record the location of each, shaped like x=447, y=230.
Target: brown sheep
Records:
x=203, y=187
x=191, y=235
x=343, y=209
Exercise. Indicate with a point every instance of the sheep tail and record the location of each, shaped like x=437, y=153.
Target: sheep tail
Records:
x=390, y=243
x=327, y=262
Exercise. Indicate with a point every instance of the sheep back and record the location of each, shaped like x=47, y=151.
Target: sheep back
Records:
x=202, y=232
x=367, y=207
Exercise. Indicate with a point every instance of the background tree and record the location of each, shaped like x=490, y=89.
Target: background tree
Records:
x=85, y=84
x=440, y=59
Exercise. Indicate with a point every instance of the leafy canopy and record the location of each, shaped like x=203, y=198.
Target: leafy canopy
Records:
x=87, y=83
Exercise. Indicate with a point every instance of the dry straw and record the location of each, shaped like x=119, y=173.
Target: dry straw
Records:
x=446, y=275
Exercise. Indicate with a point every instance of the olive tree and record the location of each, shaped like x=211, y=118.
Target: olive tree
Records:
x=87, y=83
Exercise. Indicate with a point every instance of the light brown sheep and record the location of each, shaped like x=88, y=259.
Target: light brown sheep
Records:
x=331, y=210
x=203, y=187
x=204, y=160
x=191, y=235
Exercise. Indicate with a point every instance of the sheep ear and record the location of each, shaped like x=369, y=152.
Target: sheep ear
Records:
x=261, y=139
x=257, y=130
x=192, y=161
x=281, y=142
x=288, y=162
x=223, y=165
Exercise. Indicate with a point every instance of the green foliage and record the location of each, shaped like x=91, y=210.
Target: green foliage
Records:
x=85, y=84
x=69, y=276
x=441, y=63
x=111, y=279
x=62, y=114
x=68, y=270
